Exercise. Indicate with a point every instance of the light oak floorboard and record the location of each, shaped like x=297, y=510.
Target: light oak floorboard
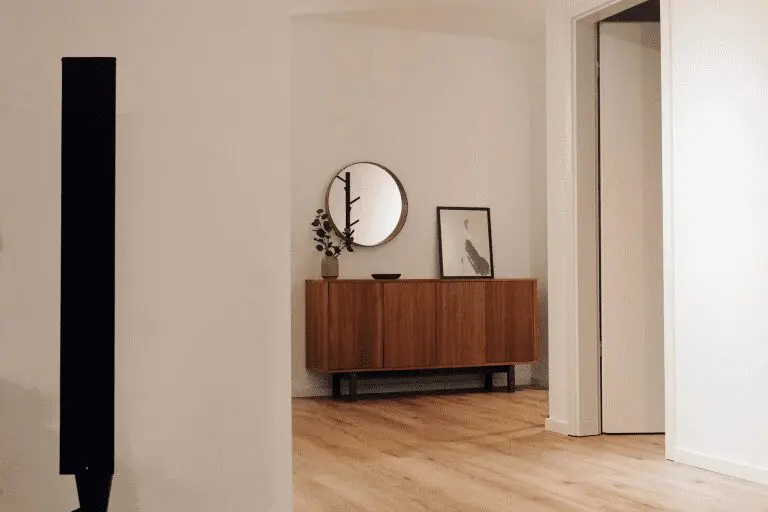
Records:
x=487, y=452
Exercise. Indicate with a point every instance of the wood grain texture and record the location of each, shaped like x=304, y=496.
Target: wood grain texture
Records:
x=510, y=319
x=409, y=325
x=421, y=324
x=355, y=334
x=461, y=330
x=317, y=324
x=483, y=452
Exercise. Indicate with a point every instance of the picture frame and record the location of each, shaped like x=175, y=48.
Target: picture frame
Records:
x=465, y=242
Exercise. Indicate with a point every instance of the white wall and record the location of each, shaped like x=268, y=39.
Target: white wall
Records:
x=561, y=243
x=203, y=410
x=719, y=206
x=455, y=118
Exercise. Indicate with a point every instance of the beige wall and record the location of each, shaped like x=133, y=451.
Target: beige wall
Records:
x=458, y=119
x=538, y=148
x=203, y=418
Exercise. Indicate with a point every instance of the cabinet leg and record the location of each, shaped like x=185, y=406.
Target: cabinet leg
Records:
x=336, y=386
x=489, y=381
x=511, y=379
x=353, y=386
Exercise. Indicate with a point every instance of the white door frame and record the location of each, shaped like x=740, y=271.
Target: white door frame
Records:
x=580, y=302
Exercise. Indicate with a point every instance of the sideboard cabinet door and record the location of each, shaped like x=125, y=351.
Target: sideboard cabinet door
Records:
x=355, y=338
x=409, y=325
x=461, y=329
x=511, y=321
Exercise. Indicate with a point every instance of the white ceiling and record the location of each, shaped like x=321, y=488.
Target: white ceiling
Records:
x=504, y=19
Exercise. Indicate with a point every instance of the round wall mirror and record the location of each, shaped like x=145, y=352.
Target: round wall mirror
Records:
x=368, y=200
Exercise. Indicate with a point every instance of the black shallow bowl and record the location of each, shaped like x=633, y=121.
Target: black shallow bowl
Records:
x=385, y=277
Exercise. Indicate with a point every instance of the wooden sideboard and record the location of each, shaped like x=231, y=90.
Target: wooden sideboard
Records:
x=364, y=327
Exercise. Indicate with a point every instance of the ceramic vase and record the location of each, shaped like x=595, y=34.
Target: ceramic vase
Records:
x=329, y=267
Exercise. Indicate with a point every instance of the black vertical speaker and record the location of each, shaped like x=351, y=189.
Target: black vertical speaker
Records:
x=87, y=443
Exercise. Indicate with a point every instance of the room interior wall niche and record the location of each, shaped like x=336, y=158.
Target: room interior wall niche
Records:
x=465, y=243
x=422, y=136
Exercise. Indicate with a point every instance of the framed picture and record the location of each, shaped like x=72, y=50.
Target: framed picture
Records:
x=466, y=247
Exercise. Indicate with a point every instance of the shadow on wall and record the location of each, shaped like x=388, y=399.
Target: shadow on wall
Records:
x=29, y=457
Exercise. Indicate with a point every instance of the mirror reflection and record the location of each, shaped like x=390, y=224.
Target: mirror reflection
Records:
x=369, y=201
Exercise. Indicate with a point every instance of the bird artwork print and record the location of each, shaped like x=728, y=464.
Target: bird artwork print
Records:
x=472, y=258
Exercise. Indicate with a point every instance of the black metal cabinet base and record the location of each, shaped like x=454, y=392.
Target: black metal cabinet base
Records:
x=487, y=371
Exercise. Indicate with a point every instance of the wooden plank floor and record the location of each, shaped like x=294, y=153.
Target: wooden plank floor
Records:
x=487, y=452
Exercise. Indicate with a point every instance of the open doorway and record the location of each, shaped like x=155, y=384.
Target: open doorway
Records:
x=631, y=286
x=587, y=374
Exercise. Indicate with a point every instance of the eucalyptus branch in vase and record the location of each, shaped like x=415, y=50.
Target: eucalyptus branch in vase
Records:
x=329, y=243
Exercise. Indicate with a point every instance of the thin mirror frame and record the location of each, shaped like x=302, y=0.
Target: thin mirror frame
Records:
x=403, y=197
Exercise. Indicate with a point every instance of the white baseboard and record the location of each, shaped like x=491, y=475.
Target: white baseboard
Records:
x=726, y=467
x=557, y=426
